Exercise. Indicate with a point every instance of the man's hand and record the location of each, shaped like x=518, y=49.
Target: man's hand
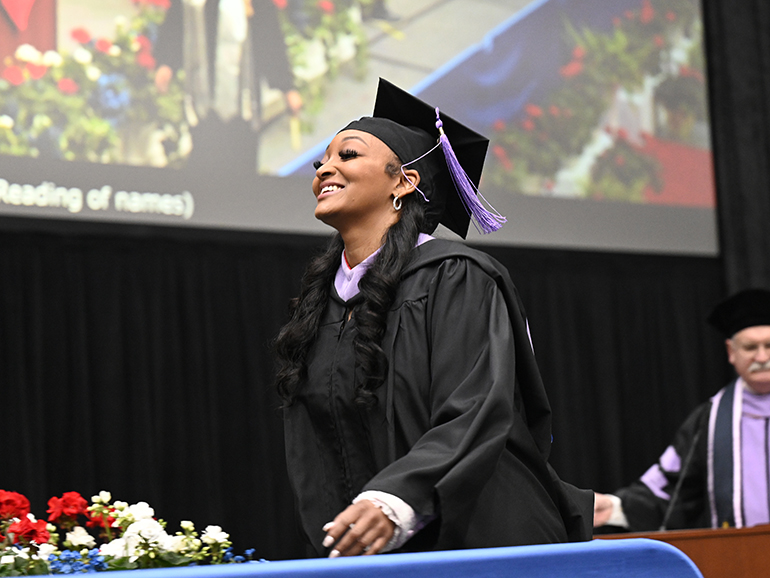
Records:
x=361, y=528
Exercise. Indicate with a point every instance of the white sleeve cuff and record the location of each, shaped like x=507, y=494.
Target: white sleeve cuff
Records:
x=618, y=517
x=407, y=521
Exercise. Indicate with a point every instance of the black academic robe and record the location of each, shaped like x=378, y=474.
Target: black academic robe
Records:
x=461, y=429
x=645, y=510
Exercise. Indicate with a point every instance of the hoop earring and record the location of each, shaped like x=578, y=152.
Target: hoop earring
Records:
x=396, y=203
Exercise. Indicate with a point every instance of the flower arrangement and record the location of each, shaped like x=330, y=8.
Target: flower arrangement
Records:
x=321, y=36
x=87, y=104
x=116, y=536
x=574, y=129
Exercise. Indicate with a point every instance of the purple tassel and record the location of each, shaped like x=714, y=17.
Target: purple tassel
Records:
x=484, y=220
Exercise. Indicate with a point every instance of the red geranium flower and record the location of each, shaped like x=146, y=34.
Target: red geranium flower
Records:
x=13, y=504
x=36, y=70
x=327, y=6
x=103, y=45
x=534, y=110
x=528, y=124
x=25, y=531
x=97, y=520
x=572, y=69
x=280, y=4
x=70, y=505
x=146, y=60
x=14, y=75
x=67, y=86
x=648, y=13
x=578, y=52
x=81, y=35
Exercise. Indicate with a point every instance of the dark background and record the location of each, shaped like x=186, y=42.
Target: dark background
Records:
x=136, y=359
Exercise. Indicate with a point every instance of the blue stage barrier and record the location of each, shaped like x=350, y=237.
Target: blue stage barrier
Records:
x=633, y=558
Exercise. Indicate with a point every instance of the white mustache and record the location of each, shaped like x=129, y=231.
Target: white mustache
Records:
x=757, y=366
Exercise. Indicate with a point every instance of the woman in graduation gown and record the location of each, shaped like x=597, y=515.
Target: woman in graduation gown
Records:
x=415, y=415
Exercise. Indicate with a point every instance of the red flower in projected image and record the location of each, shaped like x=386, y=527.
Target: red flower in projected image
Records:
x=528, y=125
x=280, y=4
x=144, y=43
x=578, y=53
x=14, y=75
x=658, y=40
x=81, y=35
x=103, y=45
x=327, y=6
x=534, y=110
x=146, y=60
x=67, y=86
x=502, y=155
x=572, y=69
x=499, y=125
x=648, y=13
x=36, y=71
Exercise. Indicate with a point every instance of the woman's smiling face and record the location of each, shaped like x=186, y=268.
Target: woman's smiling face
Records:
x=351, y=184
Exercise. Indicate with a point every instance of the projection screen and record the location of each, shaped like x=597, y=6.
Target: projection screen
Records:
x=208, y=114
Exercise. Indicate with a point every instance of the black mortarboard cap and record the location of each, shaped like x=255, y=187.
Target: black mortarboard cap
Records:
x=408, y=126
x=744, y=309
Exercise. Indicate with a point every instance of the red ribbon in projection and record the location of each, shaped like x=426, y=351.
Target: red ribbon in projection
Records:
x=18, y=11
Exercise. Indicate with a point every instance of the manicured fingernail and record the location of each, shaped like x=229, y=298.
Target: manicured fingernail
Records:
x=327, y=525
x=328, y=541
x=334, y=553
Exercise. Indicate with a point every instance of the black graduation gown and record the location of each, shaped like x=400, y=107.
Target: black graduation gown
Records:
x=461, y=428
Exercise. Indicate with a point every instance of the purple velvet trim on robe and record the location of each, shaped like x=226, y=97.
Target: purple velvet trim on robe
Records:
x=755, y=426
x=655, y=479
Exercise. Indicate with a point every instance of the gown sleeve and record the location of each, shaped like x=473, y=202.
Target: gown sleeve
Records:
x=476, y=440
x=646, y=500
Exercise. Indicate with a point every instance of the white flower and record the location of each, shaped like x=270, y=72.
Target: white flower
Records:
x=148, y=530
x=45, y=550
x=141, y=511
x=117, y=548
x=52, y=58
x=120, y=505
x=121, y=22
x=114, y=50
x=82, y=55
x=31, y=517
x=7, y=559
x=187, y=525
x=80, y=537
x=214, y=535
x=6, y=121
x=177, y=544
x=28, y=53
x=93, y=73
x=50, y=527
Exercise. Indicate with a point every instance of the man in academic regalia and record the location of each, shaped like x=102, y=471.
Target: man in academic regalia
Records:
x=227, y=49
x=715, y=473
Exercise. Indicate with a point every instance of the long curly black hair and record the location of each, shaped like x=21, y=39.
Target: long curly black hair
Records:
x=378, y=289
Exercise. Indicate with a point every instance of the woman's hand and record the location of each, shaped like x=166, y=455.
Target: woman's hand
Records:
x=361, y=528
